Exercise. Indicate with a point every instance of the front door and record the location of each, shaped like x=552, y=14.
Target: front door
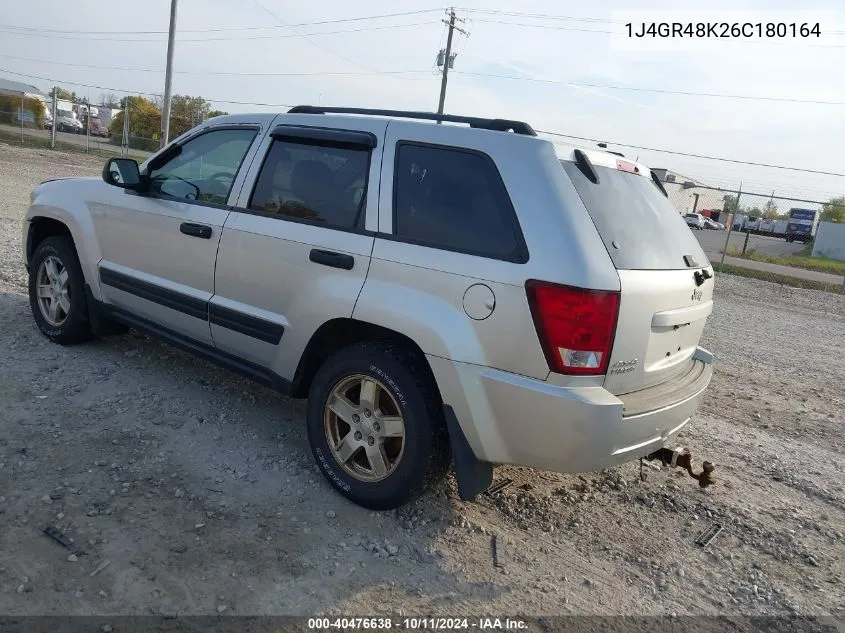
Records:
x=159, y=247
x=296, y=248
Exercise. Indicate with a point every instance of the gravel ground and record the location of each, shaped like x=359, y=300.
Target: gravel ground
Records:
x=193, y=491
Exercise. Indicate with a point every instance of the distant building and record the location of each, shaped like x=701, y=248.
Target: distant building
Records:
x=22, y=113
x=8, y=87
x=689, y=195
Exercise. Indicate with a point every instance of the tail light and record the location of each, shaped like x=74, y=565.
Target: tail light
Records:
x=576, y=326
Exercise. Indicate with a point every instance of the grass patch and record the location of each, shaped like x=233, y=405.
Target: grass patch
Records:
x=39, y=142
x=806, y=250
x=784, y=280
x=801, y=259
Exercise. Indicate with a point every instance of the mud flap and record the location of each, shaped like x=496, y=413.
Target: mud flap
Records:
x=473, y=475
x=98, y=316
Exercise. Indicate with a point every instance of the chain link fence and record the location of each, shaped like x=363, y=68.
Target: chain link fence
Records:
x=132, y=129
x=766, y=228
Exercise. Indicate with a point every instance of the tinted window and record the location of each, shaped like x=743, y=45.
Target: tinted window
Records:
x=456, y=200
x=319, y=183
x=638, y=225
x=206, y=167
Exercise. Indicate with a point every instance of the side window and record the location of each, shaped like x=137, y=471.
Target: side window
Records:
x=321, y=183
x=455, y=200
x=206, y=167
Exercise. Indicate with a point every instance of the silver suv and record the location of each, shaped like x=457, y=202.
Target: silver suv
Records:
x=465, y=294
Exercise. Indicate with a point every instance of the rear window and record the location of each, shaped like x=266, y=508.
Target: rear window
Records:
x=638, y=225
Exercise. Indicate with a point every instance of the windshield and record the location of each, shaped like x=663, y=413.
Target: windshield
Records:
x=638, y=225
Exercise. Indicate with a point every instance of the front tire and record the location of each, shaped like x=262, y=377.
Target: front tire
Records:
x=376, y=426
x=57, y=292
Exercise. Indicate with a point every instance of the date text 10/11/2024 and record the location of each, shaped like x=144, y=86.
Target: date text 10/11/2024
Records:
x=416, y=624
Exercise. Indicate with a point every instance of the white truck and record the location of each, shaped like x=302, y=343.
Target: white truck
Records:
x=66, y=120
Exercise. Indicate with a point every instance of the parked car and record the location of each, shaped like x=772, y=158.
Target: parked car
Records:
x=695, y=221
x=712, y=224
x=464, y=293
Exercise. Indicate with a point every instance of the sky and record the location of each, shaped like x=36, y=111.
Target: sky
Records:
x=389, y=63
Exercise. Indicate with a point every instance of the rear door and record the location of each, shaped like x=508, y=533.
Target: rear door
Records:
x=665, y=277
x=296, y=249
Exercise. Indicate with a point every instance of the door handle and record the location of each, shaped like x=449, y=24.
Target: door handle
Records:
x=329, y=258
x=195, y=230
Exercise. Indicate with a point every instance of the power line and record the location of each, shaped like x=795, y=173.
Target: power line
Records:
x=543, y=26
x=567, y=18
x=668, y=151
x=220, y=39
x=221, y=30
x=657, y=90
x=462, y=72
x=550, y=133
x=307, y=39
x=541, y=16
x=139, y=92
x=517, y=14
x=217, y=72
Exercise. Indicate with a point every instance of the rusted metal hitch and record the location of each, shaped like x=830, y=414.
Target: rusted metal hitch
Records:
x=683, y=458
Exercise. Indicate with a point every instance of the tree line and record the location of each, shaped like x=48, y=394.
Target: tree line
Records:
x=145, y=115
x=145, y=119
x=832, y=211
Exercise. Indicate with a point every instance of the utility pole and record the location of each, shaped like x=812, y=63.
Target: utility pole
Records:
x=125, y=140
x=731, y=227
x=448, y=59
x=55, y=107
x=88, y=127
x=168, y=77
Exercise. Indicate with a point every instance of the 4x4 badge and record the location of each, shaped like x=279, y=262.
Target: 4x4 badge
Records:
x=697, y=295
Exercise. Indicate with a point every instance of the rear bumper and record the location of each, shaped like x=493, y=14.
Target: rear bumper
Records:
x=511, y=419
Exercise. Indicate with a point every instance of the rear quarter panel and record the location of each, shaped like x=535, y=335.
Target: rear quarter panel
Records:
x=419, y=290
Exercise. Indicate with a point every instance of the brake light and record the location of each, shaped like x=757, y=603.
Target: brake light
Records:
x=576, y=326
x=624, y=165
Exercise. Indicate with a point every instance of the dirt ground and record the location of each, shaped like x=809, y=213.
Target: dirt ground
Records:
x=190, y=490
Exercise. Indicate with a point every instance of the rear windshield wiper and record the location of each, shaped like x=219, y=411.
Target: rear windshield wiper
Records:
x=658, y=184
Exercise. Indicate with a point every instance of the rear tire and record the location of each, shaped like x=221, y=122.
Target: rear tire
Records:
x=57, y=292
x=407, y=398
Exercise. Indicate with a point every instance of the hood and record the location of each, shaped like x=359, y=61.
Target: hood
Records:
x=51, y=189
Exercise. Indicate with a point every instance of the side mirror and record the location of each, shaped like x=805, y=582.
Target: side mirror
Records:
x=123, y=172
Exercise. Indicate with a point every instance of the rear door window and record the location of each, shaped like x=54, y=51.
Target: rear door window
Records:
x=638, y=225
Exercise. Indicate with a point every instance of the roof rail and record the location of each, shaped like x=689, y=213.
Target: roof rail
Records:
x=499, y=125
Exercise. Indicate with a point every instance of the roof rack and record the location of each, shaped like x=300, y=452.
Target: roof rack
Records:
x=499, y=125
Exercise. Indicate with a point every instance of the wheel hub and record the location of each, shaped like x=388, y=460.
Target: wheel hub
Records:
x=365, y=427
